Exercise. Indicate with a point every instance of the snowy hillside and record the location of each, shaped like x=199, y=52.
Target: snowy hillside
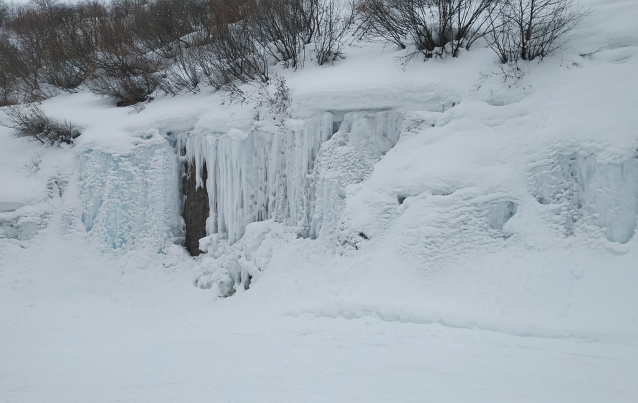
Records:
x=406, y=232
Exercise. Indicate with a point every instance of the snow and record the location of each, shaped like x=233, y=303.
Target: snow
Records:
x=410, y=232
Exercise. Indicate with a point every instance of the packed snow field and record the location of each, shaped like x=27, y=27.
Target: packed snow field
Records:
x=425, y=232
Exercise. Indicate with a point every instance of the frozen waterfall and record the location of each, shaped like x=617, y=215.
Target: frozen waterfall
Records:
x=296, y=175
x=133, y=198
x=604, y=194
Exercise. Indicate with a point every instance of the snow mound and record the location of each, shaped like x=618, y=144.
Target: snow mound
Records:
x=500, y=213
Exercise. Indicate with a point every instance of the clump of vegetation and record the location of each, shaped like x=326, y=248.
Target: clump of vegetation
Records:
x=514, y=29
x=129, y=49
x=432, y=27
x=531, y=29
x=32, y=123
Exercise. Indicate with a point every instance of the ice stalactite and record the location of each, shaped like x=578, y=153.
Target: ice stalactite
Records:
x=296, y=175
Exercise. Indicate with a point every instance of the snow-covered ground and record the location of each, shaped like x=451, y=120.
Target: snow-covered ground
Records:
x=431, y=234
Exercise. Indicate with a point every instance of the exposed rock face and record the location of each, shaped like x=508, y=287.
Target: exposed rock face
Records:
x=195, y=207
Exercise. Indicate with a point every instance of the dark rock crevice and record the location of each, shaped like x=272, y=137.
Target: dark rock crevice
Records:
x=196, y=207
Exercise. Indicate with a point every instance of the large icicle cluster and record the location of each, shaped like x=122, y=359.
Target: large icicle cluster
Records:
x=294, y=175
x=257, y=175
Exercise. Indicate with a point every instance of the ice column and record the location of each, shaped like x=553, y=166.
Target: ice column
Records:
x=131, y=199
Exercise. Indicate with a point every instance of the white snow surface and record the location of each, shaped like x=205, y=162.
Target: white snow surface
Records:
x=408, y=233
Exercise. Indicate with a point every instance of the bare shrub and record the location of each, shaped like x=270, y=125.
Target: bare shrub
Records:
x=270, y=99
x=276, y=96
x=44, y=44
x=182, y=75
x=161, y=25
x=129, y=82
x=67, y=47
x=232, y=54
x=433, y=27
x=128, y=49
x=284, y=27
x=121, y=68
x=33, y=164
x=273, y=97
x=530, y=29
x=27, y=49
x=333, y=22
x=31, y=122
x=470, y=22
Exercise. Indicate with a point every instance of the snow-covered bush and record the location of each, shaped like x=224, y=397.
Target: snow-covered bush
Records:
x=530, y=29
x=333, y=23
x=31, y=122
x=433, y=27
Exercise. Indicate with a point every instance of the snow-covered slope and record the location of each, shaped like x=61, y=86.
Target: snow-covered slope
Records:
x=418, y=232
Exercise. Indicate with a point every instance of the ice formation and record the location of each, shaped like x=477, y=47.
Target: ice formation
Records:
x=134, y=198
x=605, y=194
x=21, y=222
x=500, y=213
x=295, y=174
x=348, y=158
x=6, y=207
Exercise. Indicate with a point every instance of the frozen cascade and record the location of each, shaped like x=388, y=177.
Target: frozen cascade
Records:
x=348, y=158
x=296, y=175
x=134, y=198
x=604, y=194
x=266, y=174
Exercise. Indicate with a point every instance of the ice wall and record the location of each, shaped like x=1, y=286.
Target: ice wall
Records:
x=131, y=199
x=348, y=158
x=296, y=175
x=601, y=193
